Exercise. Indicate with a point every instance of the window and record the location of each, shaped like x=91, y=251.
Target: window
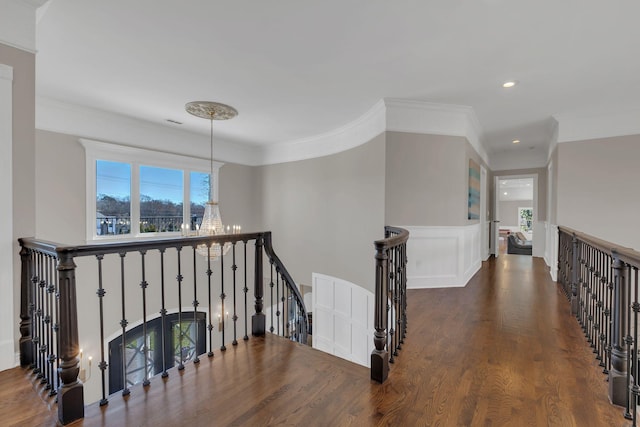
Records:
x=133, y=192
x=180, y=345
x=525, y=219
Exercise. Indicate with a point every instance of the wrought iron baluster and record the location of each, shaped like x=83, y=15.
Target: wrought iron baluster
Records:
x=143, y=286
x=635, y=389
x=271, y=329
x=103, y=364
x=163, y=317
x=245, y=290
x=210, y=325
x=123, y=325
x=234, y=267
x=179, y=279
x=196, y=359
x=223, y=347
x=277, y=302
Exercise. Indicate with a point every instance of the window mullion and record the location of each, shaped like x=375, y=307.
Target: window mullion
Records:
x=186, y=197
x=135, y=199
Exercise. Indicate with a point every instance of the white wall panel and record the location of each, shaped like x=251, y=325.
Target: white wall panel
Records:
x=442, y=256
x=342, y=319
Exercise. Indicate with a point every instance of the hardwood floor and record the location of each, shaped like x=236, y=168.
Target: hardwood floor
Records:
x=503, y=351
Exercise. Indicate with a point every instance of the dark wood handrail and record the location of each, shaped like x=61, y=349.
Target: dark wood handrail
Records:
x=268, y=248
x=625, y=254
x=114, y=247
x=45, y=262
x=400, y=236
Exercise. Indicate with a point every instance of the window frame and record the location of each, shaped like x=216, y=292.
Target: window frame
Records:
x=136, y=157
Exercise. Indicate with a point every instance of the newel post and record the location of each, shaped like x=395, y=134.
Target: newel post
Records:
x=258, y=320
x=618, y=393
x=380, y=354
x=70, y=392
x=574, y=275
x=26, y=308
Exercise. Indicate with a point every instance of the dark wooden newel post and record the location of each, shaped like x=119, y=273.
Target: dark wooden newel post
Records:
x=70, y=392
x=26, y=309
x=258, y=320
x=618, y=393
x=380, y=355
x=574, y=275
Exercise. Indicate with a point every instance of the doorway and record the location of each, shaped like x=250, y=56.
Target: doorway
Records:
x=516, y=212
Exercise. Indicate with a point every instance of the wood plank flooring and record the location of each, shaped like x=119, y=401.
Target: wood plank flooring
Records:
x=503, y=351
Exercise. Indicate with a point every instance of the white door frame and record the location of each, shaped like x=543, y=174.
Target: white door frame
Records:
x=539, y=233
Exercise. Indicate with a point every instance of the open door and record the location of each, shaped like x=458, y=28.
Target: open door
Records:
x=495, y=228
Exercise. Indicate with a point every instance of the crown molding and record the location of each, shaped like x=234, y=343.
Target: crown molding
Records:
x=90, y=123
x=595, y=126
x=404, y=115
x=353, y=134
x=385, y=115
x=18, y=23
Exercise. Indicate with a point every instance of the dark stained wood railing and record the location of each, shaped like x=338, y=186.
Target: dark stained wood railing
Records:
x=50, y=341
x=601, y=281
x=390, y=311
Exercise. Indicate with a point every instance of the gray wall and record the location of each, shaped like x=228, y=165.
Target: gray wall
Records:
x=23, y=150
x=325, y=213
x=426, y=179
x=509, y=211
x=598, y=188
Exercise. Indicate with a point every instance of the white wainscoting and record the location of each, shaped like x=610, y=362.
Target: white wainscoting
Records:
x=442, y=256
x=342, y=319
x=551, y=250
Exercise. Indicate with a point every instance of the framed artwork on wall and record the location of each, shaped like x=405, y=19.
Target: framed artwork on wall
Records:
x=474, y=190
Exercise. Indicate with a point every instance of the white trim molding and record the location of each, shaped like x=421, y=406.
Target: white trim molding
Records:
x=18, y=23
x=585, y=127
x=7, y=319
x=551, y=250
x=358, y=132
x=422, y=117
x=385, y=115
x=442, y=257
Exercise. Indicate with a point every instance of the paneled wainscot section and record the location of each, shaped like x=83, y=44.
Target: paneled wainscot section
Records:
x=442, y=256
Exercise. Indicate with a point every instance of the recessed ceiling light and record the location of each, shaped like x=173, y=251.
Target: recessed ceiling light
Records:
x=510, y=83
x=505, y=193
x=516, y=141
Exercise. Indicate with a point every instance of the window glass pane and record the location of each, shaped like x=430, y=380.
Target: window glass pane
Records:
x=199, y=191
x=113, y=198
x=161, y=196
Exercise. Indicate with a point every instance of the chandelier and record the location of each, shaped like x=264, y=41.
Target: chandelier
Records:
x=211, y=220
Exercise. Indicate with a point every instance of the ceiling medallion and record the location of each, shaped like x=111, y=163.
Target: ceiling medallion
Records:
x=211, y=110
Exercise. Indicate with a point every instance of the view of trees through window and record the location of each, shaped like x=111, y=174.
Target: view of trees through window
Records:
x=161, y=202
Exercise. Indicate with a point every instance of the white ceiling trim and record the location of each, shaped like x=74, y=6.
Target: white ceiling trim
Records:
x=405, y=115
x=18, y=23
x=351, y=135
x=57, y=116
x=581, y=128
x=386, y=115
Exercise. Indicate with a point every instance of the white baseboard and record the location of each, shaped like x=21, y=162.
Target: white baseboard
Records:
x=442, y=256
x=8, y=355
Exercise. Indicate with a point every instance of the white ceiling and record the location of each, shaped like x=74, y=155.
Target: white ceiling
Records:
x=296, y=69
x=516, y=189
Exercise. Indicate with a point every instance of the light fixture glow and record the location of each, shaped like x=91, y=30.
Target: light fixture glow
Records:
x=510, y=83
x=516, y=141
x=211, y=220
x=505, y=193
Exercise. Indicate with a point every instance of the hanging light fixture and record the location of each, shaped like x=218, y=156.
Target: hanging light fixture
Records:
x=211, y=220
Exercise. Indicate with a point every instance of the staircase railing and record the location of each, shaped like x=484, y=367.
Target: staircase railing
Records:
x=390, y=311
x=134, y=279
x=601, y=281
